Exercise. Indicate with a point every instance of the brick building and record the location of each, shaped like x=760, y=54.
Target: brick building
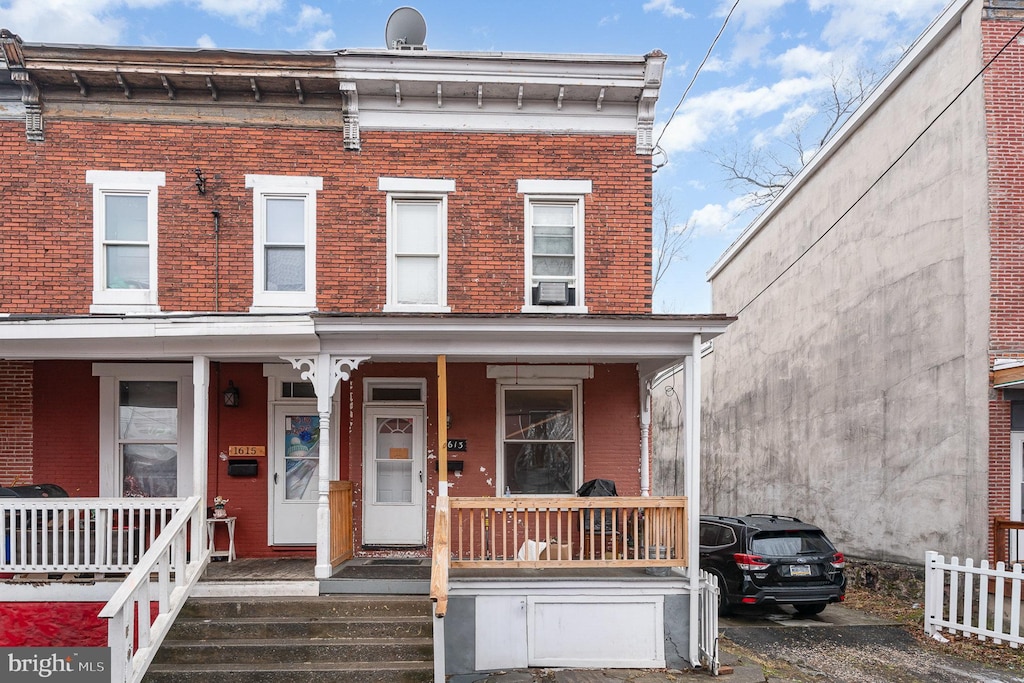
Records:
x=253, y=274
x=879, y=300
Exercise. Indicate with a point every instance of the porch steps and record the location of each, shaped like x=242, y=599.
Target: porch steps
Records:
x=298, y=639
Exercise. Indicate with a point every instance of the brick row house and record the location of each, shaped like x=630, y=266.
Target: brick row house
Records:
x=248, y=275
x=888, y=408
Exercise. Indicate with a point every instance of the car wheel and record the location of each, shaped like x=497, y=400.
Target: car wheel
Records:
x=724, y=608
x=810, y=610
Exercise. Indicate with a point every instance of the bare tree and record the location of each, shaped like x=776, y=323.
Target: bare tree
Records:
x=764, y=172
x=669, y=236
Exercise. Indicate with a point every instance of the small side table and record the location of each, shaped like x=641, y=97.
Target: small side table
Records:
x=211, y=529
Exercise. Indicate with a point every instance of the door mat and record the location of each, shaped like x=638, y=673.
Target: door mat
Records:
x=396, y=562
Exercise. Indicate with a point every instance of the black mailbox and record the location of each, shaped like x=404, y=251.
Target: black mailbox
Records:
x=243, y=468
x=453, y=465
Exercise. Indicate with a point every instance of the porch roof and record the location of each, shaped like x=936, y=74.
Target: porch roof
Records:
x=654, y=341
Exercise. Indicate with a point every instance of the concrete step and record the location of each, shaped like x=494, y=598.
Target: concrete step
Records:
x=206, y=629
x=275, y=650
x=324, y=638
x=323, y=606
x=310, y=672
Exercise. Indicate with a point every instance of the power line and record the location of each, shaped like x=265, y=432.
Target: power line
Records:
x=697, y=72
x=884, y=173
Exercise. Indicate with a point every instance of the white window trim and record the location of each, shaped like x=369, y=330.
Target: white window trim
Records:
x=105, y=300
x=370, y=383
x=543, y=190
x=110, y=374
x=577, y=409
x=304, y=187
x=429, y=189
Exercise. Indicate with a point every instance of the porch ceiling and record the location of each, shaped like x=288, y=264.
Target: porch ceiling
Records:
x=653, y=341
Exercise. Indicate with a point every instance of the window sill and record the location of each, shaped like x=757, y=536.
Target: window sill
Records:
x=529, y=308
x=268, y=310
x=407, y=308
x=125, y=309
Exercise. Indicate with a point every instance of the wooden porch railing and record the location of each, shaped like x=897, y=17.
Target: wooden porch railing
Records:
x=66, y=535
x=142, y=610
x=340, y=501
x=1007, y=541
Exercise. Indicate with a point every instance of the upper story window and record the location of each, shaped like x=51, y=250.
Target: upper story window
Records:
x=284, y=241
x=124, y=210
x=554, y=245
x=417, y=243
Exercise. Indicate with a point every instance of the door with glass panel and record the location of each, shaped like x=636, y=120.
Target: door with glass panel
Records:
x=394, y=458
x=148, y=439
x=296, y=473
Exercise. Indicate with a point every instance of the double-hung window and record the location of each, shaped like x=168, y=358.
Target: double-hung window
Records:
x=417, y=243
x=284, y=241
x=554, y=220
x=124, y=240
x=145, y=429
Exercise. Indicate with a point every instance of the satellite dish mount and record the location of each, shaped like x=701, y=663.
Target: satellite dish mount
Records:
x=406, y=30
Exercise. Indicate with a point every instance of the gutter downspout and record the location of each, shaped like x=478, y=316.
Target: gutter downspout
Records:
x=693, y=491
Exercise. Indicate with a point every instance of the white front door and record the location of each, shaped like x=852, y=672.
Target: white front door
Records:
x=394, y=460
x=295, y=477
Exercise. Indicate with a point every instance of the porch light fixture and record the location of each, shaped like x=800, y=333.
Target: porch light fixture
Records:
x=231, y=396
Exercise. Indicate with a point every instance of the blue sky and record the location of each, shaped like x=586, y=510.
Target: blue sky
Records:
x=771, y=68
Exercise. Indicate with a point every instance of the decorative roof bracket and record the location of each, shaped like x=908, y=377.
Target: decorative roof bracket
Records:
x=350, y=116
x=14, y=57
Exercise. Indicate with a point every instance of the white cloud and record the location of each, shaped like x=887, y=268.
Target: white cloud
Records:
x=804, y=59
x=716, y=219
x=612, y=19
x=666, y=7
x=322, y=40
x=248, y=13
x=719, y=111
x=205, y=41
x=39, y=21
x=872, y=20
x=310, y=17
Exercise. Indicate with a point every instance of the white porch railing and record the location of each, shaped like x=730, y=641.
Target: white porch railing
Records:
x=163, y=578
x=71, y=535
x=707, y=635
x=972, y=601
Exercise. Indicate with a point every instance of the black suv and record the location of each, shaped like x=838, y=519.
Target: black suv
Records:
x=771, y=559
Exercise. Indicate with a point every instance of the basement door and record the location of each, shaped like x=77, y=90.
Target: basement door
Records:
x=296, y=474
x=394, y=461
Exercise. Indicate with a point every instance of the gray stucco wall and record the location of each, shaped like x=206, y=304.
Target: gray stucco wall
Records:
x=852, y=393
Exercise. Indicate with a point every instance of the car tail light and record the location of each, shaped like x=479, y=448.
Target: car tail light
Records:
x=838, y=561
x=749, y=563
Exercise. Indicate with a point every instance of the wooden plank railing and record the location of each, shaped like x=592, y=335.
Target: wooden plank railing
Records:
x=340, y=501
x=1007, y=541
x=540, y=533
x=441, y=557
x=70, y=535
x=144, y=607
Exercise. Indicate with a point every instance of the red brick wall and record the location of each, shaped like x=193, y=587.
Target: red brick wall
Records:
x=1004, y=120
x=49, y=212
x=17, y=431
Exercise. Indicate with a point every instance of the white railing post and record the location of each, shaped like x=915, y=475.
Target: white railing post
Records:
x=932, y=577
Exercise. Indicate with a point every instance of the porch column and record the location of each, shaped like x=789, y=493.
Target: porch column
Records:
x=692, y=427
x=645, y=437
x=200, y=442
x=324, y=371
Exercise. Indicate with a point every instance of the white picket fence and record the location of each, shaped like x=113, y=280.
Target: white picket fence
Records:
x=980, y=601
x=707, y=637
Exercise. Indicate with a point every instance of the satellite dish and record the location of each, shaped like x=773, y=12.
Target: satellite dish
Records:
x=406, y=30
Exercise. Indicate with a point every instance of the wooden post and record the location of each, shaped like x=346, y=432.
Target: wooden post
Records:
x=442, y=426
